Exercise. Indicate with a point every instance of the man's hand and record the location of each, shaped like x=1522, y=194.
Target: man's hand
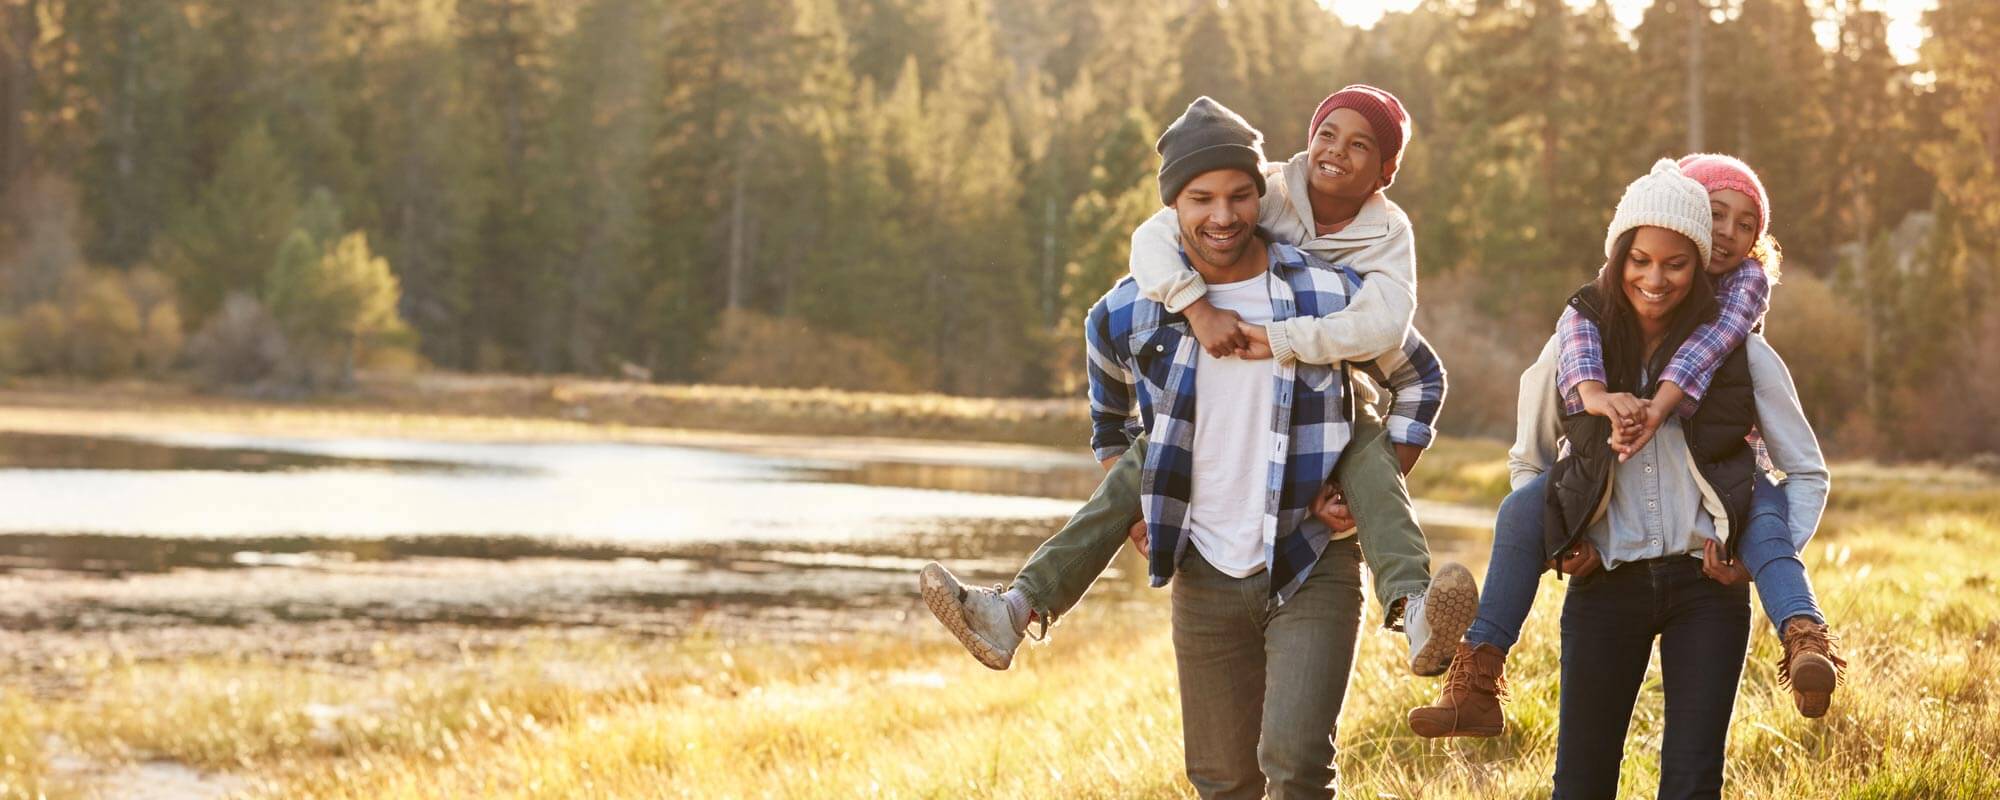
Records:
x=1260, y=341
x=1137, y=534
x=1330, y=507
x=1215, y=329
x=1719, y=567
x=1578, y=561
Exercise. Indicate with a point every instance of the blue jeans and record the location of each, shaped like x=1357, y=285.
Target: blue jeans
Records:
x=1508, y=593
x=1767, y=551
x=1609, y=622
x=1516, y=567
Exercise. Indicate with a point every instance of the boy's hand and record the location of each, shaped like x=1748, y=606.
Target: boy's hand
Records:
x=1330, y=507
x=1716, y=564
x=1260, y=341
x=1137, y=533
x=1215, y=329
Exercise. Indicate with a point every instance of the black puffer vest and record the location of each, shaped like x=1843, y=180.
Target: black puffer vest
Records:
x=1579, y=485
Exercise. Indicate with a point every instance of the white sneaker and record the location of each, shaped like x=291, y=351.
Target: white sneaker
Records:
x=977, y=616
x=1436, y=620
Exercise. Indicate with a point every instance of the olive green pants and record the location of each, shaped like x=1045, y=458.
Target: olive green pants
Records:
x=1369, y=472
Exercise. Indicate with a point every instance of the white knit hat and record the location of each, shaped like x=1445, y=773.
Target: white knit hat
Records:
x=1664, y=198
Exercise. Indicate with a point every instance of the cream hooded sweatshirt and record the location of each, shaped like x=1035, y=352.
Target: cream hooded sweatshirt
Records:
x=1377, y=244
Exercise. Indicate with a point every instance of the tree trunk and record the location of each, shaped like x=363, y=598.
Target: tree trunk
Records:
x=22, y=26
x=734, y=299
x=1697, y=15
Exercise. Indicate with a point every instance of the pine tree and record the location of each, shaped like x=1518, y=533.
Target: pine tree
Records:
x=332, y=302
x=231, y=235
x=131, y=88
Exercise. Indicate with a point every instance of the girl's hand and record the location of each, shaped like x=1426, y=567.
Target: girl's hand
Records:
x=1628, y=443
x=1625, y=410
x=1716, y=564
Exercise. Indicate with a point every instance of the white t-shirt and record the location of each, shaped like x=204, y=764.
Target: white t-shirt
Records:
x=1232, y=441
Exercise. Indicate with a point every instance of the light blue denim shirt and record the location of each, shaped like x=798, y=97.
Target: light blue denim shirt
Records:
x=1657, y=506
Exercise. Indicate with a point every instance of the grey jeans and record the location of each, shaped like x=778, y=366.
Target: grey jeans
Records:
x=1261, y=685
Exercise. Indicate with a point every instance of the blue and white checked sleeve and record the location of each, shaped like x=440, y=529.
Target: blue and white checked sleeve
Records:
x=1415, y=379
x=1111, y=417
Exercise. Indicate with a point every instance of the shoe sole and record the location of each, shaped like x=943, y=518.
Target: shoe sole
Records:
x=1447, y=733
x=1813, y=680
x=1450, y=606
x=941, y=594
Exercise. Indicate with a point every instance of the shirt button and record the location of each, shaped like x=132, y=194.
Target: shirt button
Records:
x=1159, y=348
x=1649, y=468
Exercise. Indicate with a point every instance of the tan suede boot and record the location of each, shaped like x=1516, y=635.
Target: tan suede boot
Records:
x=1810, y=666
x=1470, y=705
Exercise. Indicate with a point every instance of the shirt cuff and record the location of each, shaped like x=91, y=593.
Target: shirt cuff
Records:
x=1281, y=343
x=1573, y=402
x=1184, y=295
x=1403, y=430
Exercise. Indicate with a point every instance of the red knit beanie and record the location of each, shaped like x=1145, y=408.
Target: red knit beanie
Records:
x=1716, y=172
x=1384, y=114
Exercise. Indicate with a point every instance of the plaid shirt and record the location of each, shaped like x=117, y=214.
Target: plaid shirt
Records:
x=1136, y=346
x=1745, y=295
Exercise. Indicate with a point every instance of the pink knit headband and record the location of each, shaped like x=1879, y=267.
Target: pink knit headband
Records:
x=1716, y=172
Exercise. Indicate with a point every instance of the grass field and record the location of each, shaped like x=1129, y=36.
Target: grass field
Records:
x=1906, y=567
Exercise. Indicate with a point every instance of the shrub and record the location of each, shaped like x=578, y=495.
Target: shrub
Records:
x=752, y=349
x=162, y=338
x=240, y=344
x=42, y=339
x=104, y=328
x=1817, y=331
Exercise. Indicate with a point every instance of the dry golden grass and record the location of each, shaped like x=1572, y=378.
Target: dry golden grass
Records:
x=1906, y=569
x=1091, y=715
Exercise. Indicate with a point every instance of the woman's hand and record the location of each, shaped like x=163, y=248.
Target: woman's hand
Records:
x=1719, y=567
x=1330, y=507
x=1577, y=561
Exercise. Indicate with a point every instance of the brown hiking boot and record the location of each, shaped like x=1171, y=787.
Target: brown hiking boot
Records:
x=1470, y=705
x=1810, y=666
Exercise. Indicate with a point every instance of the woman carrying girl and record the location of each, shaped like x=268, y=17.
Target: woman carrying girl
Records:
x=1743, y=266
x=1649, y=524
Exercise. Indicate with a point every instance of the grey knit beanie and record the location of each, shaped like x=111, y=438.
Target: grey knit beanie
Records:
x=1664, y=198
x=1206, y=138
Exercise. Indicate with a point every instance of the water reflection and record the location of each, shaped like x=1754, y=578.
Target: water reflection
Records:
x=40, y=451
x=195, y=485
x=225, y=542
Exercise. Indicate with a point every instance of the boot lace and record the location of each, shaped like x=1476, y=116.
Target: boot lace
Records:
x=1459, y=680
x=1814, y=639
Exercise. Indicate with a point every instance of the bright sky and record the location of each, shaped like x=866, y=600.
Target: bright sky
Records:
x=1906, y=30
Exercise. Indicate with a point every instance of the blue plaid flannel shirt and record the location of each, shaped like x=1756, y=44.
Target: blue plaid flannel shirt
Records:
x=1139, y=350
